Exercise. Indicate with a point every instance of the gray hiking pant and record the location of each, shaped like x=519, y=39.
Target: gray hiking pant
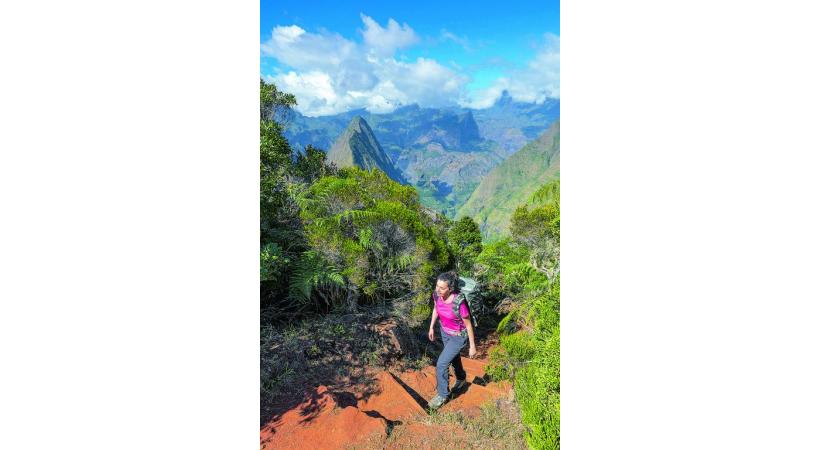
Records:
x=452, y=346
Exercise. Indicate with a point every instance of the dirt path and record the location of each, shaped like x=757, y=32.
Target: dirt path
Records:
x=392, y=414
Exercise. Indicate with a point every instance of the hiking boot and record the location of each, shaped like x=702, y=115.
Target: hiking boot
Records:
x=436, y=402
x=459, y=384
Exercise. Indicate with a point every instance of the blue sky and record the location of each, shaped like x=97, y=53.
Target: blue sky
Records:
x=380, y=55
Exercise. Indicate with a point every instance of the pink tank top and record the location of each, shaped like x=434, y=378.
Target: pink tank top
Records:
x=450, y=322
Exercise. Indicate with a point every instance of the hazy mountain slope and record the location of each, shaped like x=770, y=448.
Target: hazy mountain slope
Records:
x=512, y=182
x=513, y=124
x=444, y=152
x=508, y=123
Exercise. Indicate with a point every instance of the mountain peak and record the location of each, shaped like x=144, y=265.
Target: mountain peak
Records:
x=358, y=122
x=358, y=146
x=505, y=98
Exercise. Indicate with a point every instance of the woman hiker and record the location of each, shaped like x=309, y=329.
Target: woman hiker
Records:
x=455, y=330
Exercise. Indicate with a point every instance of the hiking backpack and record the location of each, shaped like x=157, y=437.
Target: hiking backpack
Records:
x=469, y=291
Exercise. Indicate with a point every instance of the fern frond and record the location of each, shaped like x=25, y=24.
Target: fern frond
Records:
x=310, y=272
x=357, y=215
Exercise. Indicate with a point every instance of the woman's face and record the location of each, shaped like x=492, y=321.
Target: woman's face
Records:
x=442, y=289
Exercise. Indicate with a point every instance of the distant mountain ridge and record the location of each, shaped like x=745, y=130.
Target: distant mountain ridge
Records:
x=358, y=146
x=509, y=123
x=513, y=124
x=444, y=152
x=512, y=182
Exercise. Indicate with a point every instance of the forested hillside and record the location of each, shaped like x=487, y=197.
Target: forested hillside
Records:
x=513, y=181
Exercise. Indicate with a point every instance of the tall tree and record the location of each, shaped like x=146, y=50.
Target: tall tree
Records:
x=464, y=240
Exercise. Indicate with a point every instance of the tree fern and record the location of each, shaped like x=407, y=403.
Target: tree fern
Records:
x=400, y=262
x=310, y=272
x=357, y=215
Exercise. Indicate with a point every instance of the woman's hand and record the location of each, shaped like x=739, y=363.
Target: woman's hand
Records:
x=431, y=335
x=472, y=351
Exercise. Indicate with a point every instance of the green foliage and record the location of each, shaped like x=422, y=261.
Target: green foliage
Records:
x=507, y=323
x=522, y=277
x=495, y=260
x=500, y=366
x=312, y=272
x=544, y=308
x=537, y=389
x=272, y=262
x=282, y=236
x=519, y=345
x=421, y=311
x=464, y=241
x=539, y=229
x=548, y=193
x=274, y=149
x=515, y=352
x=524, y=269
x=373, y=228
x=275, y=204
x=312, y=165
x=274, y=105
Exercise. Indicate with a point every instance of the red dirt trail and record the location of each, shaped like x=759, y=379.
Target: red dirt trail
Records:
x=341, y=420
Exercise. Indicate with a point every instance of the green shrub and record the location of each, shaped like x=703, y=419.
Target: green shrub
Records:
x=464, y=242
x=499, y=366
x=524, y=270
x=519, y=345
x=522, y=277
x=375, y=231
x=422, y=308
x=494, y=260
x=516, y=351
x=537, y=389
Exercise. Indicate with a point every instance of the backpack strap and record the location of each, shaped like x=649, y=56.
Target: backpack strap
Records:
x=460, y=298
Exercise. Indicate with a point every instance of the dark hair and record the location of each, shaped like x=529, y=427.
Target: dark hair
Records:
x=451, y=278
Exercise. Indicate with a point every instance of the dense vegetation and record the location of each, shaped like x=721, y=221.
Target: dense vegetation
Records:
x=525, y=270
x=341, y=247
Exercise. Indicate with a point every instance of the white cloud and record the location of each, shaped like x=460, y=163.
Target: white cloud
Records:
x=462, y=41
x=536, y=82
x=487, y=97
x=329, y=74
x=385, y=41
x=313, y=89
x=287, y=35
x=307, y=51
x=332, y=74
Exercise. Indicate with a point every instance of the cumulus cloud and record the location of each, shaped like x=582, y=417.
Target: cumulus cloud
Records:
x=301, y=50
x=385, y=41
x=536, y=82
x=331, y=74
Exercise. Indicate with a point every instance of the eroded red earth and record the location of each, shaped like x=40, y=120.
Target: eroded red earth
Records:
x=344, y=420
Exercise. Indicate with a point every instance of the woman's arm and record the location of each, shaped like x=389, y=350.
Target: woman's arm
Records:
x=468, y=322
x=431, y=334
